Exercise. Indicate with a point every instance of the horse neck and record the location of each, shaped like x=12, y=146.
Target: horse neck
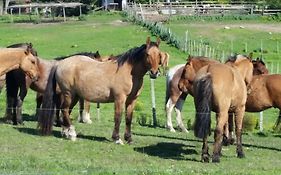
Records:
x=9, y=61
x=244, y=71
x=199, y=64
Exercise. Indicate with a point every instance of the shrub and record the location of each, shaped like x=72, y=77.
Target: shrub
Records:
x=249, y=122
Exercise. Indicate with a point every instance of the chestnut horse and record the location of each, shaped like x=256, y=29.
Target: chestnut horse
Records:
x=18, y=83
x=174, y=96
x=119, y=81
x=14, y=58
x=220, y=88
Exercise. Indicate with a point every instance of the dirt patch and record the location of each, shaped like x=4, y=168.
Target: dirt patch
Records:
x=274, y=28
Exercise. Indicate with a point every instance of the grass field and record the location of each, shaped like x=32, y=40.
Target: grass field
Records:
x=154, y=151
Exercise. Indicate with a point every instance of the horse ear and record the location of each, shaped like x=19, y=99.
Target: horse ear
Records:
x=30, y=44
x=97, y=53
x=158, y=41
x=28, y=50
x=148, y=41
x=188, y=58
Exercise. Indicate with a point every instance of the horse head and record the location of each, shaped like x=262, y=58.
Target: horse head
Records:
x=29, y=64
x=153, y=54
x=259, y=67
x=187, y=76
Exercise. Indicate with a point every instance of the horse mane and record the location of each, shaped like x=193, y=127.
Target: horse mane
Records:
x=236, y=58
x=89, y=54
x=25, y=46
x=133, y=55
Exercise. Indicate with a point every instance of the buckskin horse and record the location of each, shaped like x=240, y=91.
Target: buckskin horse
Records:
x=220, y=88
x=18, y=83
x=119, y=81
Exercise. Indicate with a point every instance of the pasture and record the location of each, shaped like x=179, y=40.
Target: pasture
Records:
x=154, y=150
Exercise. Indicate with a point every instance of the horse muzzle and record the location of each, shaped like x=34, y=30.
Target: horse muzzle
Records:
x=154, y=75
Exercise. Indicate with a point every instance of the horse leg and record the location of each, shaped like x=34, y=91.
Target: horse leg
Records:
x=22, y=94
x=129, y=115
x=9, y=109
x=169, y=109
x=239, y=114
x=67, y=129
x=228, y=131
x=221, y=118
x=84, y=112
x=205, y=151
x=118, y=108
x=58, y=120
x=39, y=101
x=178, y=109
x=277, y=123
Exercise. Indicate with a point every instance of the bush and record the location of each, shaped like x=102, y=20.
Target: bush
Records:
x=249, y=122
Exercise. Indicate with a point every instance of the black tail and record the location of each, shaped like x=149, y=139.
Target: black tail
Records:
x=46, y=115
x=203, y=92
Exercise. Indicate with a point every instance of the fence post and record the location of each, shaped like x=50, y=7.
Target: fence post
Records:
x=261, y=121
x=246, y=47
x=186, y=41
x=153, y=102
x=142, y=16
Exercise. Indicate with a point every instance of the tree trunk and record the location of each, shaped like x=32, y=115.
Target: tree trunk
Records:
x=1, y=7
x=6, y=6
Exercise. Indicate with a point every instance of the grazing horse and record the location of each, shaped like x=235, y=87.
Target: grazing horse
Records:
x=119, y=81
x=14, y=58
x=18, y=83
x=165, y=57
x=220, y=88
x=174, y=96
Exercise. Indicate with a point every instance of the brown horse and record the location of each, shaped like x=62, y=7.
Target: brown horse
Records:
x=174, y=96
x=14, y=58
x=18, y=83
x=220, y=88
x=119, y=81
x=86, y=118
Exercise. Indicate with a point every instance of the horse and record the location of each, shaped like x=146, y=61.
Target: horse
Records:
x=18, y=83
x=174, y=96
x=119, y=81
x=220, y=88
x=256, y=101
x=14, y=58
x=86, y=118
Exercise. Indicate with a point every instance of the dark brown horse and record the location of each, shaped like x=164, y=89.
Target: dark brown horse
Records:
x=119, y=81
x=174, y=96
x=220, y=88
x=18, y=83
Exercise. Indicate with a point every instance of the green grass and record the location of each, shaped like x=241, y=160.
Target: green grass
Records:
x=234, y=39
x=154, y=151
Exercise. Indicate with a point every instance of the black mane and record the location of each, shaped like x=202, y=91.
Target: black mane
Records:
x=89, y=54
x=133, y=55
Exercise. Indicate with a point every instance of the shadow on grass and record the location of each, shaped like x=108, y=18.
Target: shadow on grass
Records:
x=168, y=137
x=166, y=150
x=27, y=117
x=36, y=132
x=95, y=138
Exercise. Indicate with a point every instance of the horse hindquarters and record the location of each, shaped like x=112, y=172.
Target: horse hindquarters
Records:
x=202, y=99
x=45, y=118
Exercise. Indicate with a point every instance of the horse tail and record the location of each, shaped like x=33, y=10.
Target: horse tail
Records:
x=203, y=92
x=48, y=105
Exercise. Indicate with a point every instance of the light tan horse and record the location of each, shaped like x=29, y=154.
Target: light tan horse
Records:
x=14, y=58
x=119, y=81
x=165, y=58
x=220, y=88
x=174, y=97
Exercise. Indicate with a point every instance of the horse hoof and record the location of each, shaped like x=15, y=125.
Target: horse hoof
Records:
x=69, y=133
x=119, y=142
x=216, y=159
x=88, y=121
x=172, y=129
x=205, y=158
x=184, y=130
x=240, y=155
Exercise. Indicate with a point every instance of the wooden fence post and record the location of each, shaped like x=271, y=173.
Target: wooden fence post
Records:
x=152, y=90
